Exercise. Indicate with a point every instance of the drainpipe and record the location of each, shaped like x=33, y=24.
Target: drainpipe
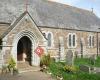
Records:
x=97, y=45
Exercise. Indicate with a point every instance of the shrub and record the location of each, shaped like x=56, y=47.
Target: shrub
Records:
x=53, y=59
x=92, y=61
x=45, y=60
x=68, y=68
x=11, y=63
x=59, y=74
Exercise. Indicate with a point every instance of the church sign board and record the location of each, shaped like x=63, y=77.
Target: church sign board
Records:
x=39, y=51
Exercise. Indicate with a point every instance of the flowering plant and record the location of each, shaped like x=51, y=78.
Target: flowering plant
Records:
x=68, y=68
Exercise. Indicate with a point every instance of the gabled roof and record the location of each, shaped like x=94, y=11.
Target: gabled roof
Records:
x=3, y=28
x=13, y=25
x=16, y=22
x=50, y=14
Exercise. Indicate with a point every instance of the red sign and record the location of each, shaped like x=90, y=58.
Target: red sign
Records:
x=39, y=51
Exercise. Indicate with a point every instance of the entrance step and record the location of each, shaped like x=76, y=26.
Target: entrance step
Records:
x=25, y=67
x=29, y=69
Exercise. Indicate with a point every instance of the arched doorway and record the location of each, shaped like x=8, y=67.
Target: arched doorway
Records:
x=19, y=40
x=24, y=50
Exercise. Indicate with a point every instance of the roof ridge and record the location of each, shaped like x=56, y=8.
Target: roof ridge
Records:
x=54, y=14
x=71, y=6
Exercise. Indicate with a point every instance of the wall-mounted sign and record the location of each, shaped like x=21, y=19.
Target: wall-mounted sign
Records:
x=39, y=51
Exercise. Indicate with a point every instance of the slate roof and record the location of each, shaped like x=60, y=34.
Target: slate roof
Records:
x=7, y=28
x=3, y=28
x=50, y=14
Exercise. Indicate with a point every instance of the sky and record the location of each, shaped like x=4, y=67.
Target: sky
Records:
x=85, y=4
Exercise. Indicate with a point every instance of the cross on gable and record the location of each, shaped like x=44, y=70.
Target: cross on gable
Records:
x=26, y=5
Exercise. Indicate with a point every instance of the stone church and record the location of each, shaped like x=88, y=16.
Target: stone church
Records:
x=53, y=26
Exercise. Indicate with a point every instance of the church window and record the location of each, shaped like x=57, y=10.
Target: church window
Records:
x=72, y=40
x=91, y=41
x=49, y=39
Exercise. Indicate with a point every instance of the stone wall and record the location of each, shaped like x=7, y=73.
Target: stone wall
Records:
x=64, y=33
x=28, y=25
x=13, y=37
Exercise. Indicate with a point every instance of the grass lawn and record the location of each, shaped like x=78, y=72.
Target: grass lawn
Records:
x=57, y=69
x=80, y=61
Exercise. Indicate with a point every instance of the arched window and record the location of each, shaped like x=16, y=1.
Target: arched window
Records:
x=74, y=40
x=91, y=41
x=50, y=39
x=71, y=40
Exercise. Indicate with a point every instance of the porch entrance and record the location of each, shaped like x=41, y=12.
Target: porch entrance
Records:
x=24, y=50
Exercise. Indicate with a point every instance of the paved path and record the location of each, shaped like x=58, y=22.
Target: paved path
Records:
x=27, y=76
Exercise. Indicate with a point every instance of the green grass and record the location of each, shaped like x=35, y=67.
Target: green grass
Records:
x=57, y=68
x=86, y=61
x=97, y=64
x=82, y=61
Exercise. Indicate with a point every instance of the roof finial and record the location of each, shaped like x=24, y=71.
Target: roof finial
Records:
x=92, y=9
x=26, y=5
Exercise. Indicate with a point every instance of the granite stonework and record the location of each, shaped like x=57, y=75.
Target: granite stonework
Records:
x=70, y=58
x=80, y=34
x=49, y=17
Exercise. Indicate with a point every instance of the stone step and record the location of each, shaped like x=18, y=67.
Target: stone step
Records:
x=25, y=67
x=29, y=69
x=23, y=64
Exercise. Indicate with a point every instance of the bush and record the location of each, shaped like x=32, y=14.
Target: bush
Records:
x=68, y=68
x=92, y=61
x=11, y=64
x=45, y=60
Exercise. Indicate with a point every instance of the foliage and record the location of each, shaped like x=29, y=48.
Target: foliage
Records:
x=80, y=61
x=56, y=69
x=45, y=60
x=11, y=63
x=92, y=61
x=97, y=62
x=87, y=76
x=68, y=68
x=87, y=61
